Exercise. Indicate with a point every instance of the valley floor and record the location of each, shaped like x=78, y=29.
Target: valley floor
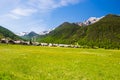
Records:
x=18, y=62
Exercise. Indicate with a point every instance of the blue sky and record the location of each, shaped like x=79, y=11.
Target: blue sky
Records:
x=40, y=15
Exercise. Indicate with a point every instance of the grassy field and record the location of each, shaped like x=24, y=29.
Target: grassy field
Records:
x=19, y=62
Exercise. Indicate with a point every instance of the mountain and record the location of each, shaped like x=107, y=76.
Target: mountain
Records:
x=46, y=32
x=90, y=21
x=64, y=33
x=104, y=33
x=5, y=33
x=30, y=35
x=22, y=33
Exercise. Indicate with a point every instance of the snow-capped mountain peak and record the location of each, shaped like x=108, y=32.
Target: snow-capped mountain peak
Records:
x=22, y=33
x=46, y=32
x=91, y=20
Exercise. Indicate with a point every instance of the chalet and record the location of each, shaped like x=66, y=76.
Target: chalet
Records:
x=44, y=44
x=11, y=42
x=25, y=42
x=4, y=40
x=36, y=43
x=17, y=42
x=50, y=45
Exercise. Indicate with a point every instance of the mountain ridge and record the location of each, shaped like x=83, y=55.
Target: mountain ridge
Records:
x=5, y=33
x=103, y=33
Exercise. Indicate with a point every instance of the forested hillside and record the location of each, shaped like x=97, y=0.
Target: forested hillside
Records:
x=64, y=33
x=5, y=33
x=104, y=33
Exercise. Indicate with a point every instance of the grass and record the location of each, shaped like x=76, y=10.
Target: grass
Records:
x=19, y=62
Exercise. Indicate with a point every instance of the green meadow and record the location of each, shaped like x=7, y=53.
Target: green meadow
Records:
x=18, y=62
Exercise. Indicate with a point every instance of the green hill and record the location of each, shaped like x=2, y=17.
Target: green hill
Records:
x=62, y=34
x=104, y=33
x=5, y=33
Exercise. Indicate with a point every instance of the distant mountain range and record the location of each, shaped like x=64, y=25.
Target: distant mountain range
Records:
x=27, y=33
x=30, y=35
x=105, y=32
x=102, y=32
x=91, y=20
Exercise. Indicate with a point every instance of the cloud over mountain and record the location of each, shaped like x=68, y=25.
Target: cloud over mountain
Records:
x=37, y=6
x=27, y=15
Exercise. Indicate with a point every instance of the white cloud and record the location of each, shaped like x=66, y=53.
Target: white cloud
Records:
x=42, y=6
x=30, y=12
x=27, y=8
x=66, y=2
x=48, y=5
x=17, y=13
x=23, y=12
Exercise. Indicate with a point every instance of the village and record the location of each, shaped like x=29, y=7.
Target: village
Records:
x=21, y=42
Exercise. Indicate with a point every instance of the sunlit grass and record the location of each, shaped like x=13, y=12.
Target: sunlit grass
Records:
x=19, y=62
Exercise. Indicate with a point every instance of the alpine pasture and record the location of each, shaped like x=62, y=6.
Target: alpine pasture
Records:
x=18, y=62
